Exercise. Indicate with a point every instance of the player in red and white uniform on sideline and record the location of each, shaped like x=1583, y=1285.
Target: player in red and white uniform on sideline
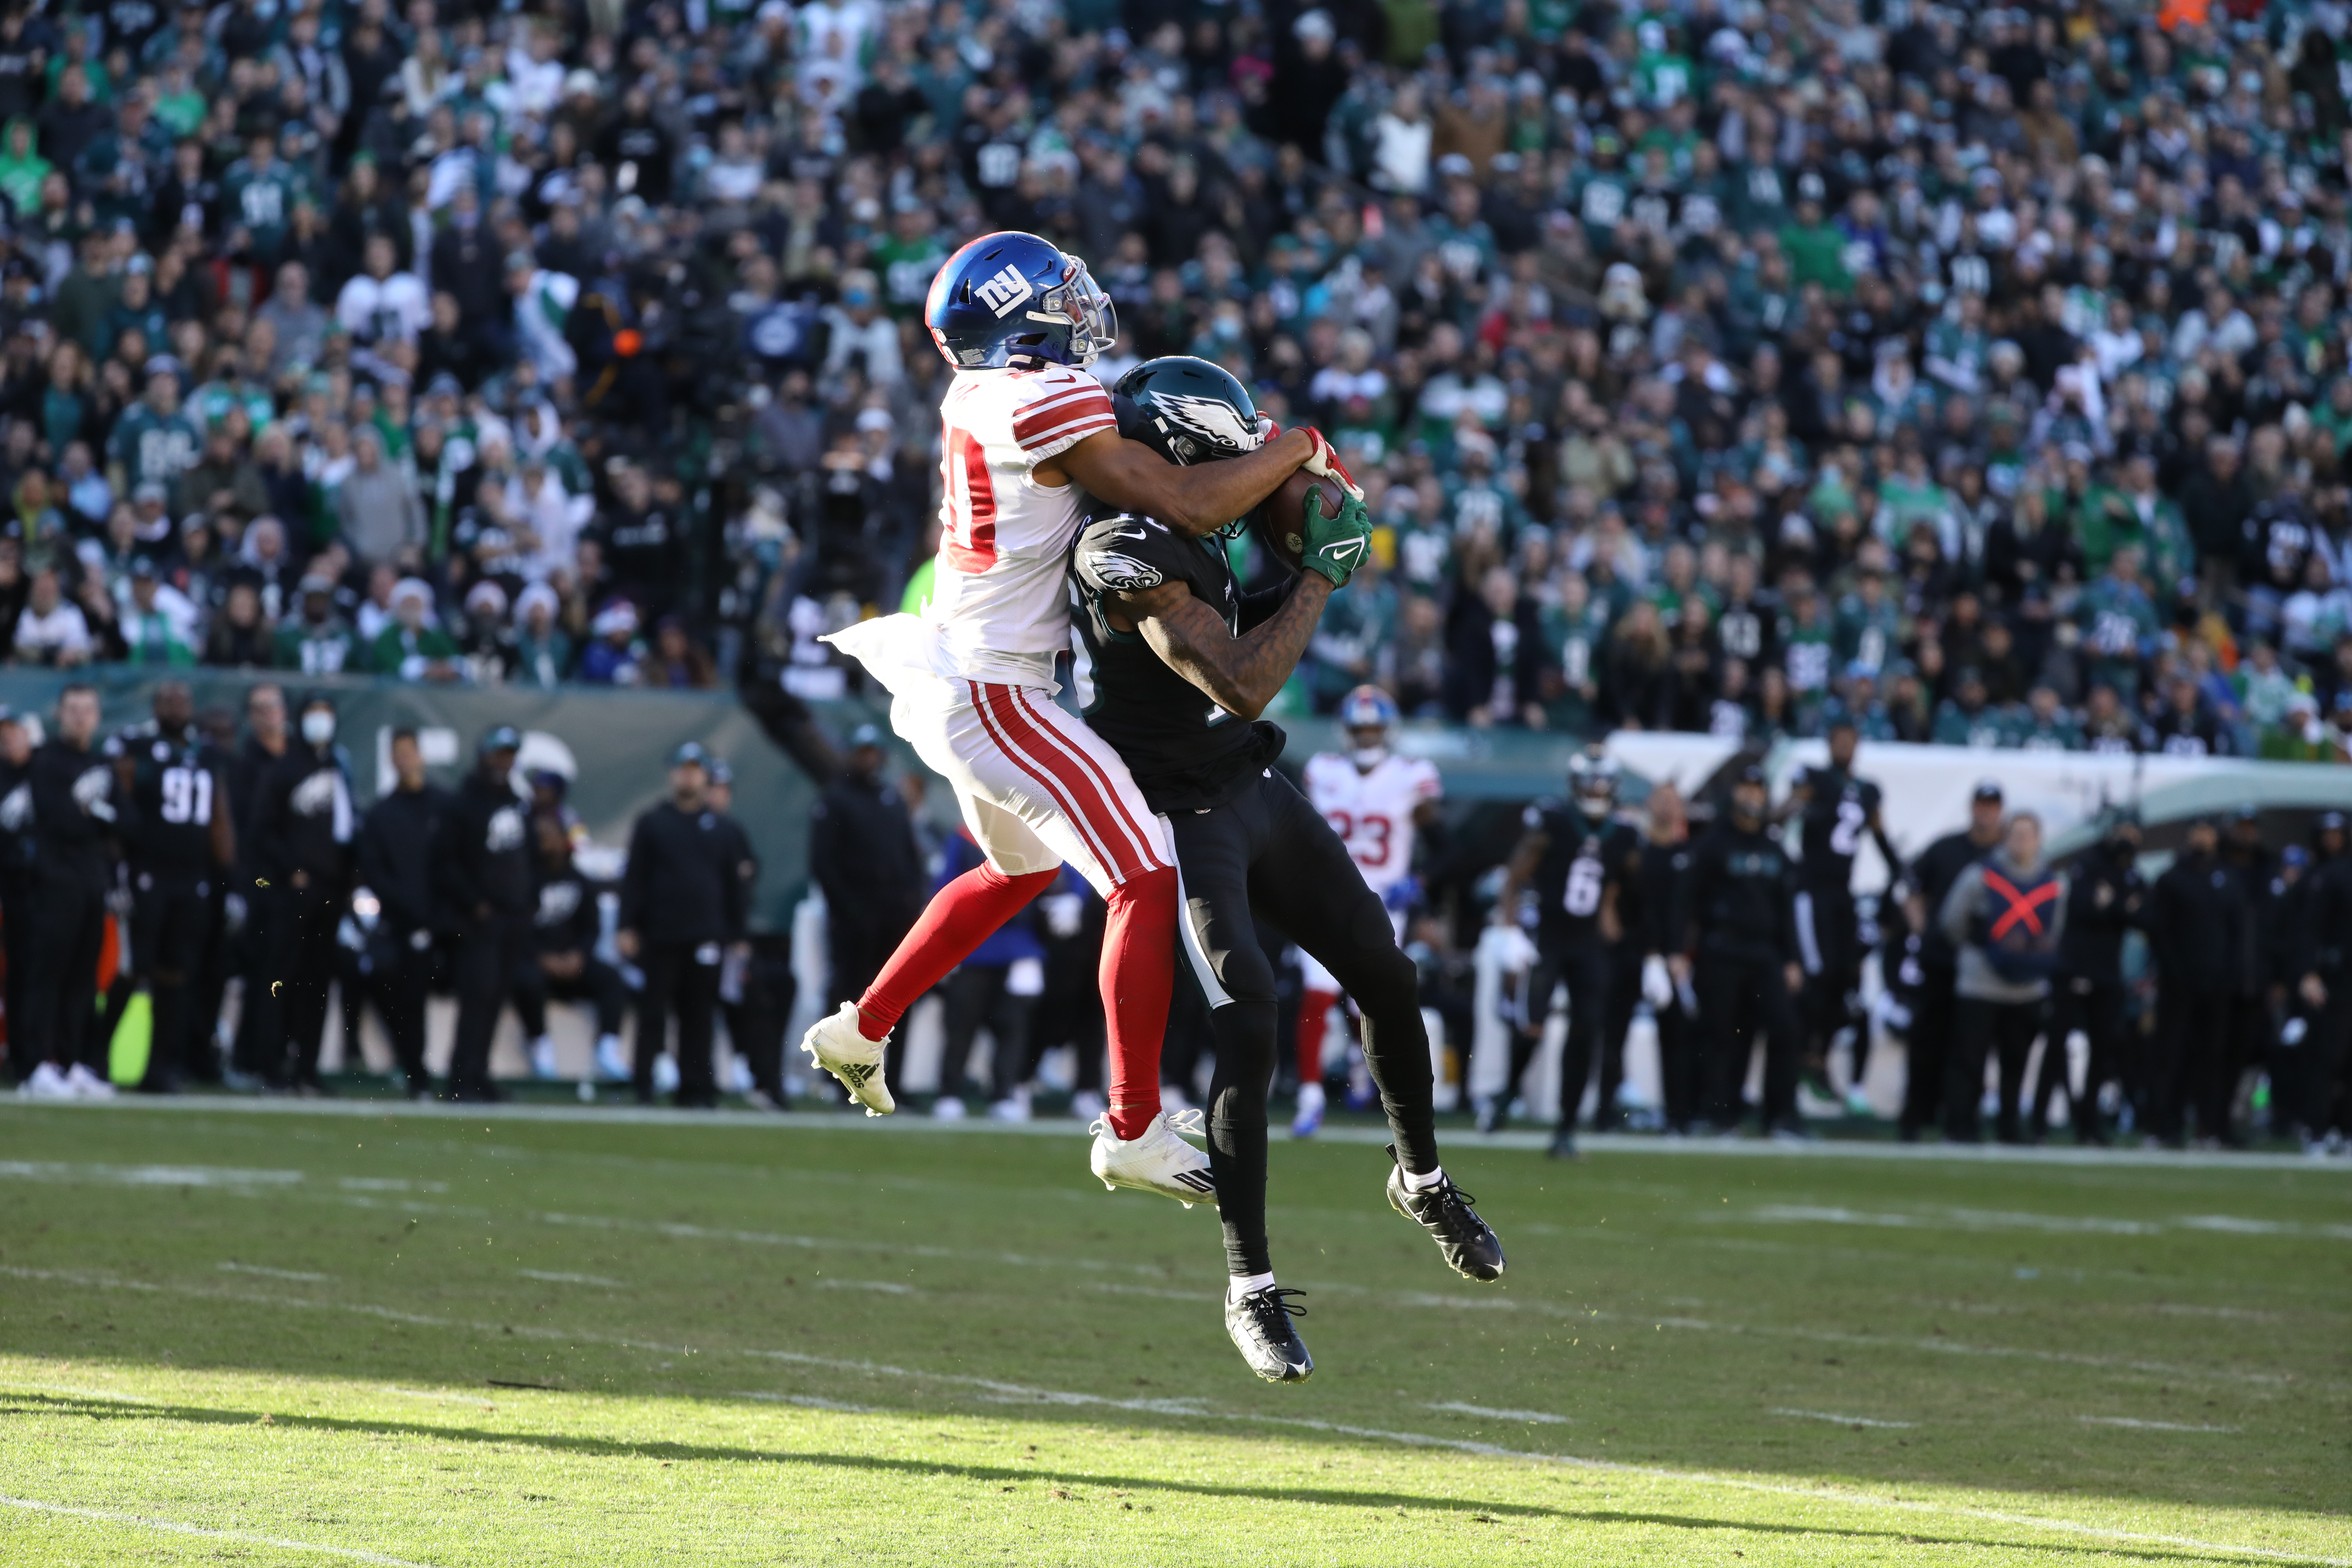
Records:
x=1024, y=427
x=1377, y=802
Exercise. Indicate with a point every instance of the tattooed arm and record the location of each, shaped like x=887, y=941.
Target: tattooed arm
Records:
x=1241, y=674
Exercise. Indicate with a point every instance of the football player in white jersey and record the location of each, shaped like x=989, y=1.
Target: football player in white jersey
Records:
x=1378, y=802
x=1026, y=427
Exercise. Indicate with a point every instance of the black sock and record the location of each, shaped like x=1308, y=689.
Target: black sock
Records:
x=1244, y=1033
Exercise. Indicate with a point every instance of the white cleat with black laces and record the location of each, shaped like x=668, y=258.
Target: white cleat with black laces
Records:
x=1155, y=1162
x=1260, y=1323
x=1467, y=1243
x=836, y=1045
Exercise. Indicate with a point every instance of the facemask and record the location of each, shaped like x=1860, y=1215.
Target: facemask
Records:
x=1369, y=757
x=317, y=727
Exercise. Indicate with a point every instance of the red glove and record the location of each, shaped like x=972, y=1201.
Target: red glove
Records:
x=1325, y=464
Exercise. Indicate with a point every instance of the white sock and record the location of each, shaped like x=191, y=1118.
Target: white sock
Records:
x=1241, y=1285
x=1413, y=1184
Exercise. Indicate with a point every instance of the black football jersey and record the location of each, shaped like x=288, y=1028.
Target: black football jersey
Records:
x=1186, y=753
x=1836, y=818
x=174, y=785
x=1582, y=860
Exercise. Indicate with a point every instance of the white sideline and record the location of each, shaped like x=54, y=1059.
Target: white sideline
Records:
x=174, y=1527
x=996, y=1390
x=1054, y=1127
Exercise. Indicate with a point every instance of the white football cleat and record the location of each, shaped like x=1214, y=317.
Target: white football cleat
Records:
x=611, y=1062
x=1157, y=1161
x=1310, y=1119
x=45, y=1083
x=84, y=1084
x=835, y=1044
x=542, y=1058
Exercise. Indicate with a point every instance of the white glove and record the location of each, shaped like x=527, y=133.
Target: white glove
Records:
x=1513, y=949
x=1657, y=986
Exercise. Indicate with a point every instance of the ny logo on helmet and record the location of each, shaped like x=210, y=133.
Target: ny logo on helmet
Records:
x=1005, y=292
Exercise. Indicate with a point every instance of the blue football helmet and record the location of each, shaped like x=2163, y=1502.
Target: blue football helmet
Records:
x=1012, y=299
x=1368, y=708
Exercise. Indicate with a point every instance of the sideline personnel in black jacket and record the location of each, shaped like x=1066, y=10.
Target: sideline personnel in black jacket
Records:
x=481, y=874
x=2106, y=899
x=682, y=903
x=396, y=864
x=303, y=827
x=1738, y=950
x=2196, y=934
x=1937, y=1010
x=863, y=855
x=73, y=814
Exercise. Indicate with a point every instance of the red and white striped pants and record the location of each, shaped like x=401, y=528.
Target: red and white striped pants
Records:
x=1036, y=786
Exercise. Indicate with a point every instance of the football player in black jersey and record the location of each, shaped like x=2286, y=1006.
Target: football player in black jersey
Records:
x=1563, y=883
x=178, y=839
x=1178, y=664
x=1833, y=809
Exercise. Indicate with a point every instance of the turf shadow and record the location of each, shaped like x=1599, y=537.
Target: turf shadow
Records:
x=99, y=1409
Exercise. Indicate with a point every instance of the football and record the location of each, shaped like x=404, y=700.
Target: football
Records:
x=1280, y=519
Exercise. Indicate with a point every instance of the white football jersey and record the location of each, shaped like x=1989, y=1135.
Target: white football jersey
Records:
x=1001, y=604
x=1372, y=812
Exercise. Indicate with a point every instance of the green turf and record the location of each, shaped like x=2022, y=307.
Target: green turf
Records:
x=765, y=1344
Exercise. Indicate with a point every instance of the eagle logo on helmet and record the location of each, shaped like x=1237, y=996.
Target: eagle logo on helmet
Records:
x=1205, y=419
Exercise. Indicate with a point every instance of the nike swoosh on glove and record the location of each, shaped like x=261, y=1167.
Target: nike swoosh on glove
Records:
x=1325, y=464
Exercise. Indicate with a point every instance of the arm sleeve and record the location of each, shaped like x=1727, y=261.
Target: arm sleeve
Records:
x=632, y=877
x=1959, y=907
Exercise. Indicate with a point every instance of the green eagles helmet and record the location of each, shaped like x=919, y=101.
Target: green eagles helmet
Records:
x=1189, y=411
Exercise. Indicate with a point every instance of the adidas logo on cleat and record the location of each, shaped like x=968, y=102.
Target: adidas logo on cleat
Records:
x=1198, y=1181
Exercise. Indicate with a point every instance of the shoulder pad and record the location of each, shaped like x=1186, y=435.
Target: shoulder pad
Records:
x=1119, y=554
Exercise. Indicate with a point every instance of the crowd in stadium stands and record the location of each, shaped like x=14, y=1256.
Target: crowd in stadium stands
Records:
x=1982, y=368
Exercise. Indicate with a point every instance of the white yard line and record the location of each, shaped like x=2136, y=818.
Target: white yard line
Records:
x=553, y=1277
x=997, y=1391
x=2149, y=1425
x=1532, y=1142
x=1456, y=1407
x=1841, y=1420
x=175, y=1527
x=297, y=1275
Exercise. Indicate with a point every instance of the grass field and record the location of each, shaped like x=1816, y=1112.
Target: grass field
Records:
x=386, y=1336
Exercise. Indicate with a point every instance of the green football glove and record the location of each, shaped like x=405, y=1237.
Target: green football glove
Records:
x=1335, y=545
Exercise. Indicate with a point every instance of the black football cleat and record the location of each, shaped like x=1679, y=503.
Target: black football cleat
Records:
x=1563, y=1145
x=1262, y=1331
x=1467, y=1243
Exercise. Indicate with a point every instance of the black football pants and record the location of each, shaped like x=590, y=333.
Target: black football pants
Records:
x=1587, y=969
x=1268, y=853
x=486, y=955
x=170, y=925
x=2004, y=1030
x=1736, y=996
x=678, y=980
x=68, y=931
